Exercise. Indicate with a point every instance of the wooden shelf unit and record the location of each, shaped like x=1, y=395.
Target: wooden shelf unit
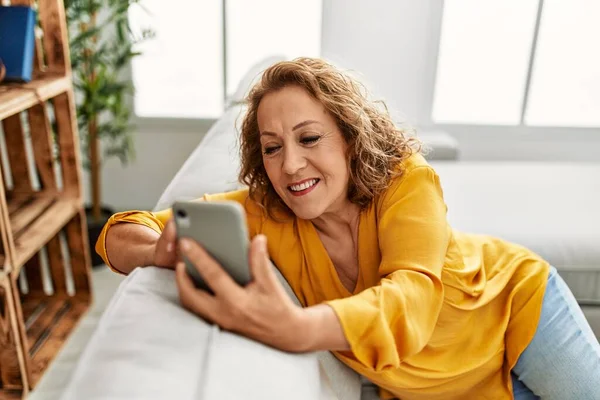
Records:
x=15, y=98
x=44, y=257
x=50, y=308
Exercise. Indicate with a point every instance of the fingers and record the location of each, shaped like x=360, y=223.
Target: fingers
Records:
x=164, y=250
x=169, y=235
x=197, y=301
x=260, y=265
x=213, y=274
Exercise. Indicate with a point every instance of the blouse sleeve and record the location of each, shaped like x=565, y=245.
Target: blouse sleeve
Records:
x=396, y=318
x=153, y=220
x=157, y=220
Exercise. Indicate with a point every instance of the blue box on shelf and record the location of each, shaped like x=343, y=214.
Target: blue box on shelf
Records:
x=17, y=42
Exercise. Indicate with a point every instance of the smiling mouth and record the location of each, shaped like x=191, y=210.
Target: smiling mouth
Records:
x=304, y=186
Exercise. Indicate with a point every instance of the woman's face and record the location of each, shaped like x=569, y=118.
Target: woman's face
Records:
x=304, y=152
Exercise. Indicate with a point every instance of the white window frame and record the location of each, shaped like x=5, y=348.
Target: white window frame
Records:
x=484, y=132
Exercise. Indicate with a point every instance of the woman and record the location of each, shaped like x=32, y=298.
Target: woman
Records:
x=354, y=218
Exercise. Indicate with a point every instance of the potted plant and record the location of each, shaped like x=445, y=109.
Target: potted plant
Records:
x=102, y=44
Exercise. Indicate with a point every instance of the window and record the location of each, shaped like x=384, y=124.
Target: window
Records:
x=203, y=48
x=519, y=62
x=565, y=84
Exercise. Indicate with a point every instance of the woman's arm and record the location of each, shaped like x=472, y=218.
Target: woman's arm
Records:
x=133, y=239
x=137, y=238
x=321, y=330
x=130, y=245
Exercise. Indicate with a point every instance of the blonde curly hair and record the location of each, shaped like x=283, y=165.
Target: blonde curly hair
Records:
x=376, y=146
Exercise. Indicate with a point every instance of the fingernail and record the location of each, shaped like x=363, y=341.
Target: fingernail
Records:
x=262, y=241
x=169, y=247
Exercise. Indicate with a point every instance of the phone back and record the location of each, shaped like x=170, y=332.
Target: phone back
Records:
x=220, y=227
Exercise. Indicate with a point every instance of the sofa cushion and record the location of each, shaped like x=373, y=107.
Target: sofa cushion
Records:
x=441, y=145
x=551, y=208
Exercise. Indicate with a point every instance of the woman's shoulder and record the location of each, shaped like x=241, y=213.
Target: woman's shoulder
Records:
x=415, y=160
x=414, y=171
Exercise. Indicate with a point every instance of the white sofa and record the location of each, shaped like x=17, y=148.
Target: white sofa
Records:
x=147, y=347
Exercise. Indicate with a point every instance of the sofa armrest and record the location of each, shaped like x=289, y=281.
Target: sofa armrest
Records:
x=148, y=347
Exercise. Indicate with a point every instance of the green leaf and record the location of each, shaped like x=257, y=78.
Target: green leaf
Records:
x=99, y=53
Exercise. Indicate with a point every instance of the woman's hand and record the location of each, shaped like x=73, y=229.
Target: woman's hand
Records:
x=164, y=250
x=261, y=310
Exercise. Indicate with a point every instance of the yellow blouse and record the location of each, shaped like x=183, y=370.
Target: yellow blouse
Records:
x=436, y=313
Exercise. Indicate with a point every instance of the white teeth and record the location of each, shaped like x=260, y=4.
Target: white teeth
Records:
x=303, y=186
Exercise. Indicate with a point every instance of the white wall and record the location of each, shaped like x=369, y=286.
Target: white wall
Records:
x=393, y=44
x=160, y=154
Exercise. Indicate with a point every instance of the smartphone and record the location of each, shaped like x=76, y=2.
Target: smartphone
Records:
x=220, y=227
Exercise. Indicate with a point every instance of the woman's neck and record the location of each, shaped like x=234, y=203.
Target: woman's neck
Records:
x=335, y=222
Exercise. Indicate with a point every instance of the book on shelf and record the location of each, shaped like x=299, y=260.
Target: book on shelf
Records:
x=17, y=42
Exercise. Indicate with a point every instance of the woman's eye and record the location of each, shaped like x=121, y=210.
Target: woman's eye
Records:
x=270, y=150
x=310, y=139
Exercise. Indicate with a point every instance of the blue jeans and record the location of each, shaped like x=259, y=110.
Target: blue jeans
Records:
x=563, y=359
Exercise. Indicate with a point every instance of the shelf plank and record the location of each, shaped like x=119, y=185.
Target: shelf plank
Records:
x=16, y=200
x=77, y=241
x=68, y=137
x=17, y=156
x=56, y=42
x=38, y=220
x=41, y=138
x=33, y=269
x=13, y=374
x=57, y=265
x=29, y=211
x=11, y=394
x=15, y=98
x=10, y=374
x=39, y=323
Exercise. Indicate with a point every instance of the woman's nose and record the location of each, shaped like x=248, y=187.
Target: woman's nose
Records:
x=293, y=161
